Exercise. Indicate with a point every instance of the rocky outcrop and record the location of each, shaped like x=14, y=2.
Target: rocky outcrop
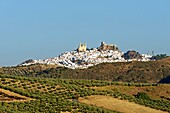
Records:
x=132, y=55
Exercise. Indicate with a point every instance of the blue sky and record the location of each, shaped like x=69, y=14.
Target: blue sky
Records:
x=40, y=29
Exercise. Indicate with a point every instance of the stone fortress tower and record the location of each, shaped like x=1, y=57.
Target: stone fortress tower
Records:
x=82, y=47
x=105, y=46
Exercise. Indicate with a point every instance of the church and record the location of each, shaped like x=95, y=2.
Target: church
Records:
x=82, y=48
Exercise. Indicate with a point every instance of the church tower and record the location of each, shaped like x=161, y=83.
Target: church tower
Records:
x=82, y=47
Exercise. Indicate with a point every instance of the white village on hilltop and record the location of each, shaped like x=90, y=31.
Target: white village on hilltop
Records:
x=84, y=58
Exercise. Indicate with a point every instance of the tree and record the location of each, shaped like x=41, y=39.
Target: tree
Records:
x=159, y=56
x=143, y=96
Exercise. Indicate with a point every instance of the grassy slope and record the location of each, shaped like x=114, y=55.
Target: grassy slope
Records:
x=150, y=72
x=156, y=92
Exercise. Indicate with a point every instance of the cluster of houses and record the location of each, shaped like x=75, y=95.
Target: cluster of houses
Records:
x=82, y=58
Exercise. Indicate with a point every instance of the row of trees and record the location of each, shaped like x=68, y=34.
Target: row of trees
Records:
x=160, y=56
x=56, y=99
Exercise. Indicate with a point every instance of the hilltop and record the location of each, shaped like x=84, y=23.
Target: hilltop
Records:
x=106, y=62
x=84, y=57
x=147, y=72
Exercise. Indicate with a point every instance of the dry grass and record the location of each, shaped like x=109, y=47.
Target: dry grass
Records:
x=155, y=92
x=65, y=112
x=117, y=105
x=9, y=93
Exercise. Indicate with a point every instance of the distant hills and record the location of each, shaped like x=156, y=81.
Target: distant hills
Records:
x=145, y=72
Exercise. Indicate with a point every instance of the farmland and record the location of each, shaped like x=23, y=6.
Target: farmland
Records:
x=49, y=95
x=117, y=104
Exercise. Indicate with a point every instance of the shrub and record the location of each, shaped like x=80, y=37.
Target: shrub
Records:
x=143, y=96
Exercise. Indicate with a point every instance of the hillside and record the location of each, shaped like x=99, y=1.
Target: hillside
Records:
x=146, y=72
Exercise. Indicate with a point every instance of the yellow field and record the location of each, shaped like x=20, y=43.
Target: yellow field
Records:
x=7, y=92
x=117, y=104
x=66, y=112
